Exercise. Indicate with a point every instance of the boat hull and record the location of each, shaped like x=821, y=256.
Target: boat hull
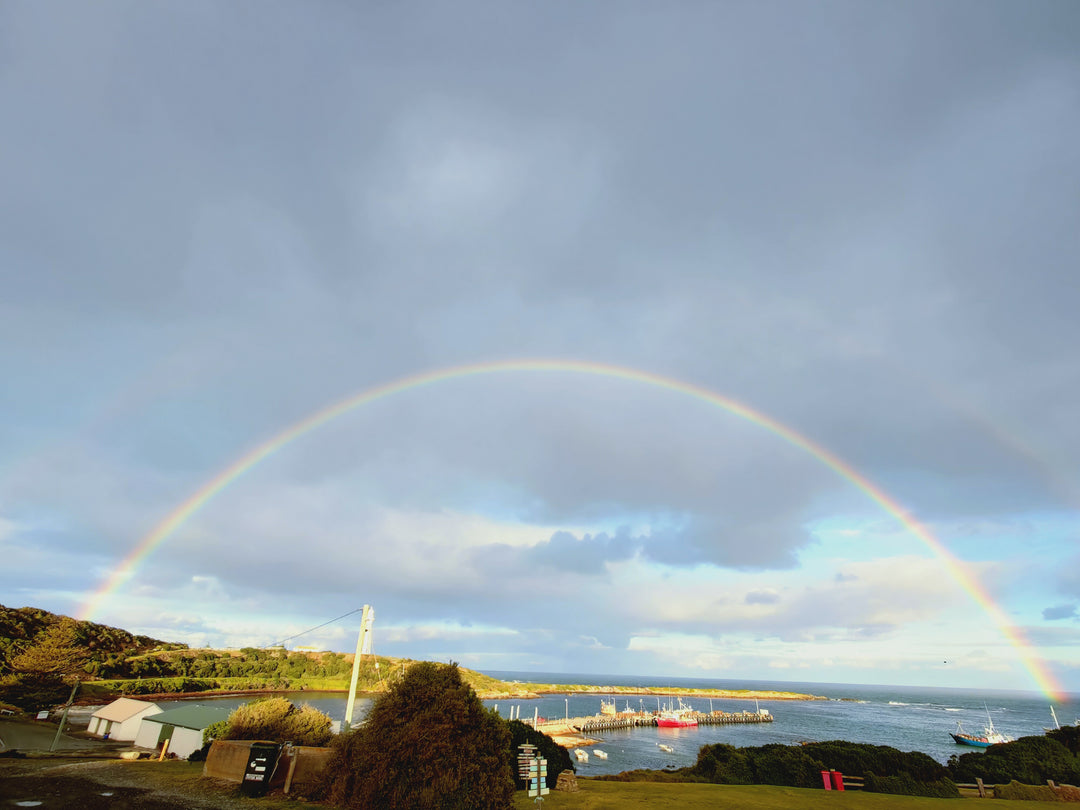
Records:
x=680, y=722
x=975, y=742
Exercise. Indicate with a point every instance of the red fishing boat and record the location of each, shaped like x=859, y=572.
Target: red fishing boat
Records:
x=681, y=717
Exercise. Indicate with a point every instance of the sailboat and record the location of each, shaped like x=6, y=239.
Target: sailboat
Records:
x=990, y=735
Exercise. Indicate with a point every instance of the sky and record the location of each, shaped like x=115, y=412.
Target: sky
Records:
x=661, y=265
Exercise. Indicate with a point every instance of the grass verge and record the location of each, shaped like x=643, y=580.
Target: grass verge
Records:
x=596, y=795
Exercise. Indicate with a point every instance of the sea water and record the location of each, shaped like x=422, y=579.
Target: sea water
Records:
x=909, y=718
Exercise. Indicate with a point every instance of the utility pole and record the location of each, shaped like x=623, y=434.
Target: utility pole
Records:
x=63, y=717
x=363, y=644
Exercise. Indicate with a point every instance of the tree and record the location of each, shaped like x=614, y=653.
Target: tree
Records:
x=55, y=652
x=428, y=744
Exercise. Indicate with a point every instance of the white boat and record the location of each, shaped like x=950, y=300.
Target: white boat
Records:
x=666, y=748
x=581, y=754
x=598, y=753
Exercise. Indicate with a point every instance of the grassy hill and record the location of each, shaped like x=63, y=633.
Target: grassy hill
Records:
x=35, y=643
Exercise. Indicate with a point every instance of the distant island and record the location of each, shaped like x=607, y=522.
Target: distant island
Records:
x=662, y=691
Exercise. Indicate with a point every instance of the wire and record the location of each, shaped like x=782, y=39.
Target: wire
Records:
x=310, y=630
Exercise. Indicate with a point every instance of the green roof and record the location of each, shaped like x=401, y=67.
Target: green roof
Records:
x=193, y=717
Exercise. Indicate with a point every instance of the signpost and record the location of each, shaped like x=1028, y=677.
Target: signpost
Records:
x=533, y=770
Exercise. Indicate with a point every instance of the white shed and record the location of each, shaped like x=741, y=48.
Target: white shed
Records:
x=120, y=720
x=182, y=727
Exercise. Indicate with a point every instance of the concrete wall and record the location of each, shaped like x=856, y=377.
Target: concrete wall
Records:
x=228, y=759
x=310, y=763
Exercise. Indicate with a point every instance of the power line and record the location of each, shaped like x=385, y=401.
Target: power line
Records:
x=290, y=638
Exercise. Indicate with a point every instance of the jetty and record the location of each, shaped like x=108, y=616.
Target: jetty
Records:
x=570, y=726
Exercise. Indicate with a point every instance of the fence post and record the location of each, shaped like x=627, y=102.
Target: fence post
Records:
x=982, y=788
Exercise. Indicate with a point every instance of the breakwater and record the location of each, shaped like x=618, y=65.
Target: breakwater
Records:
x=605, y=722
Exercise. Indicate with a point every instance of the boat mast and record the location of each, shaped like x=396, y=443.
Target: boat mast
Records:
x=363, y=644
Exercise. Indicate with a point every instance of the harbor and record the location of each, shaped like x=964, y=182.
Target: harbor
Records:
x=570, y=731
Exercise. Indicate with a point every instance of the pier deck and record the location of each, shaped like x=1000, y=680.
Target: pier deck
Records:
x=604, y=722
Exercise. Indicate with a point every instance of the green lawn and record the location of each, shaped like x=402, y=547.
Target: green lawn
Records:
x=603, y=795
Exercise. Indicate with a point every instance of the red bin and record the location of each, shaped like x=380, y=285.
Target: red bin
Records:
x=837, y=780
x=825, y=780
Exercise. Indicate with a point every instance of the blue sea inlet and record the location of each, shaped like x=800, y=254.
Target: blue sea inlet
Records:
x=910, y=718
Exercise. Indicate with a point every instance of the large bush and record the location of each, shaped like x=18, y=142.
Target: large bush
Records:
x=1031, y=760
x=274, y=719
x=723, y=764
x=32, y=692
x=859, y=759
x=428, y=744
x=801, y=766
x=558, y=758
x=786, y=765
x=1069, y=736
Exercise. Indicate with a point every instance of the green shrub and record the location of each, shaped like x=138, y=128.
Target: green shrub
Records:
x=723, y=764
x=1030, y=760
x=558, y=758
x=784, y=765
x=428, y=743
x=859, y=759
x=906, y=785
x=1069, y=736
x=274, y=719
x=1029, y=793
x=33, y=691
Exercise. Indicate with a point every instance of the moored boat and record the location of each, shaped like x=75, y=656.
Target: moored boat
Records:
x=682, y=717
x=990, y=735
x=581, y=754
x=600, y=754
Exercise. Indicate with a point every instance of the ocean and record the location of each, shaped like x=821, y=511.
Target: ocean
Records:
x=910, y=718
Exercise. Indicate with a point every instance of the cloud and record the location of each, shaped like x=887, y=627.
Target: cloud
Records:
x=863, y=254
x=1059, y=612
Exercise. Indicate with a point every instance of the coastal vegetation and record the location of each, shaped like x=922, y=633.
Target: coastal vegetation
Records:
x=885, y=769
x=558, y=757
x=1031, y=760
x=274, y=719
x=428, y=742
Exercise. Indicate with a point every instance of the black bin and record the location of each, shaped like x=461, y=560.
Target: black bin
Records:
x=260, y=767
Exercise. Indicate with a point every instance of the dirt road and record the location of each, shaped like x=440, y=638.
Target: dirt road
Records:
x=32, y=736
x=87, y=783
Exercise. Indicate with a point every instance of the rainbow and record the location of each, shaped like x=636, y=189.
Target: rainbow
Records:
x=127, y=568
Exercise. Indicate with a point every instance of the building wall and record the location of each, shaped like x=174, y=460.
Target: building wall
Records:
x=127, y=730
x=185, y=741
x=147, y=736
